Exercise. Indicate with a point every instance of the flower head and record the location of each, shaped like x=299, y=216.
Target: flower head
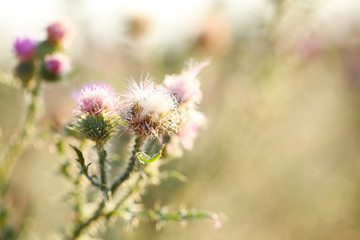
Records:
x=96, y=117
x=148, y=110
x=24, y=48
x=58, y=32
x=57, y=64
x=189, y=130
x=96, y=98
x=185, y=86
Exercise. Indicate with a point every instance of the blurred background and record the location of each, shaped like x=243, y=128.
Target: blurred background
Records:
x=280, y=156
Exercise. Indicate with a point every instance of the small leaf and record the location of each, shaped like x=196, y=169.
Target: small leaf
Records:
x=143, y=157
x=80, y=159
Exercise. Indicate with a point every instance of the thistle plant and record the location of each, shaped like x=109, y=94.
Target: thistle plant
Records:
x=159, y=119
x=29, y=76
x=153, y=115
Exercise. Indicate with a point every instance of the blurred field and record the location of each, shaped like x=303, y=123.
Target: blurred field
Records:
x=280, y=156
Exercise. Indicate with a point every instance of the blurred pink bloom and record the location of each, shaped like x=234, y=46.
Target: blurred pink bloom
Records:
x=188, y=134
x=58, y=31
x=58, y=64
x=185, y=87
x=96, y=98
x=189, y=130
x=24, y=48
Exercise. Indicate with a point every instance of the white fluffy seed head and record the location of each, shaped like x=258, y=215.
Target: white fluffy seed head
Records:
x=148, y=110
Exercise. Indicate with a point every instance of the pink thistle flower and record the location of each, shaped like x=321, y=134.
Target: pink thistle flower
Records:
x=58, y=31
x=24, y=48
x=147, y=110
x=57, y=64
x=185, y=86
x=189, y=130
x=97, y=98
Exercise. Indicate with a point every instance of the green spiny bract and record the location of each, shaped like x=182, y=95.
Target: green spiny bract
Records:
x=97, y=127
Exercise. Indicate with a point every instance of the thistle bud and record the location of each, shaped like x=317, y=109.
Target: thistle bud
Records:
x=149, y=111
x=55, y=67
x=96, y=112
x=57, y=32
x=24, y=48
x=25, y=71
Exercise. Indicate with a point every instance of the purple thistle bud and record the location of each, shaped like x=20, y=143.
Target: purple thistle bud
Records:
x=185, y=87
x=97, y=98
x=57, y=64
x=24, y=48
x=58, y=31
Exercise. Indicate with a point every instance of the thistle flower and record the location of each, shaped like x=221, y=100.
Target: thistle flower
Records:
x=189, y=129
x=24, y=48
x=185, y=86
x=96, y=112
x=55, y=67
x=147, y=110
x=58, y=32
x=96, y=98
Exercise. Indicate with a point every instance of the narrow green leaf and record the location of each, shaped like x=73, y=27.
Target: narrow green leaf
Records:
x=80, y=159
x=143, y=157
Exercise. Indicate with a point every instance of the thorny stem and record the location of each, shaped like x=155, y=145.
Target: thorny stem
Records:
x=133, y=189
x=158, y=215
x=82, y=226
x=78, y=207
x=130, y=167
x=10, y=157
x=126, y=174
x=102, y=165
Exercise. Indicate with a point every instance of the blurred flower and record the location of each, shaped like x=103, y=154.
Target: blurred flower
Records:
x=188, y=131
x=147, y=110
x=214, y=35
x=57, y=64
x=96, y=98
x=137, y=24
x=58, y=31
x=185, y=86
x=24, y=48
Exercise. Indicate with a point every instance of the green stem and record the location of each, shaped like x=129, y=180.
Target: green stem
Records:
x=126, y=174
x=102, y=165
x=133, y=189
x=82, y=226
x=10, y=157
x=78, y=206
x=130, y=167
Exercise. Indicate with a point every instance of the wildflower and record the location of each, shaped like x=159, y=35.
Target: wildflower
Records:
x=149, y=111
x=55, y=67
x=96, y=112
x=24, y=48
x=185, y=86
x=188, y=131
x=96, y=98
x=58, y=32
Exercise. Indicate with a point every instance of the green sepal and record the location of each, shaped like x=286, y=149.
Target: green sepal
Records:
x=144, y=158
x=98, y=127
x=45, y=47
x=25, y=71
